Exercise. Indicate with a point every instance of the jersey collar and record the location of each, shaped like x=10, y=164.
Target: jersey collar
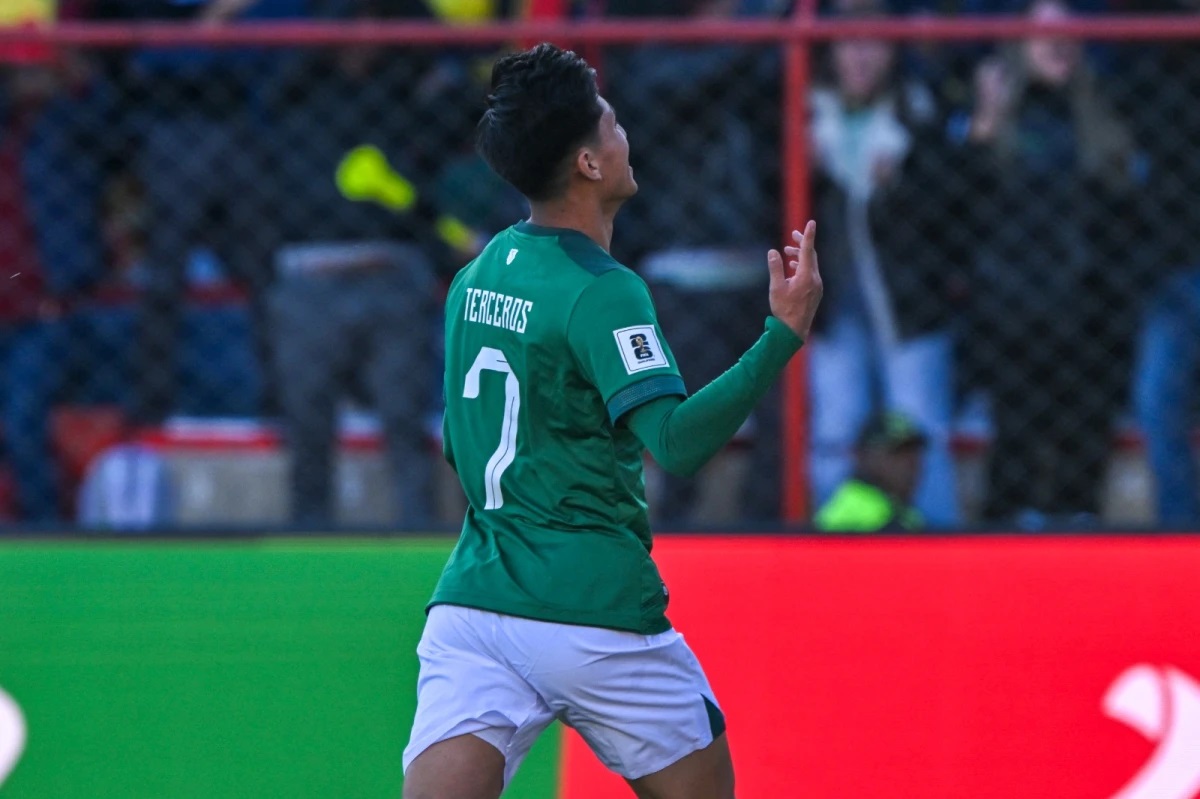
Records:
x=530, y=229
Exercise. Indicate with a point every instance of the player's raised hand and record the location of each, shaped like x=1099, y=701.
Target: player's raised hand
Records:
x=796, y=292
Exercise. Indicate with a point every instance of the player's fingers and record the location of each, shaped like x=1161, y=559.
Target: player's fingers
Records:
x=793, y=251
x=808, y=240
x=775, y=267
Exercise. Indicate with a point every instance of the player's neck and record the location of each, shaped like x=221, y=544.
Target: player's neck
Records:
x=592, y=221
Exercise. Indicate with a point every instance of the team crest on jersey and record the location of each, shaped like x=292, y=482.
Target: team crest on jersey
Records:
x=512, y=255
x=639, y=348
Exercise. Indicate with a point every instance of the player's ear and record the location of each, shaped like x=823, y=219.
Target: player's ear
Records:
x=587, y=163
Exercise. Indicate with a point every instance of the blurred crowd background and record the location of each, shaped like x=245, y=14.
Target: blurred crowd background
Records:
x=222, y=269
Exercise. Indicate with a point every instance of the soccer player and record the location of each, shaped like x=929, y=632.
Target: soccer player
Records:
x=557, y=377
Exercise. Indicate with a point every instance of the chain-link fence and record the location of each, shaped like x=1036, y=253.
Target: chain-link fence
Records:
x=223, y=267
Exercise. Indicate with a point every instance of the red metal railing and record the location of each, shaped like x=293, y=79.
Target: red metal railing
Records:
x=800, y=29
x=795, y=36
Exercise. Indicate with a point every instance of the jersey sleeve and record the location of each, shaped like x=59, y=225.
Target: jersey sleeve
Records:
x=614, y=334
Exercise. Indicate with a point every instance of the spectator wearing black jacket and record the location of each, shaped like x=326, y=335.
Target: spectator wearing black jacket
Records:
x=1050, y=166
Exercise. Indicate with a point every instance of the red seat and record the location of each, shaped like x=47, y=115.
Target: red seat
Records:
x=78, y=433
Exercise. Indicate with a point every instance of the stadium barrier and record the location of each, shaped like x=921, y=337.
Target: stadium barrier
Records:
x=983, y=666
x=171, y=236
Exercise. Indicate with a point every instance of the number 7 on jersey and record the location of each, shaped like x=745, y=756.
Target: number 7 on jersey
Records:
x=492, y=359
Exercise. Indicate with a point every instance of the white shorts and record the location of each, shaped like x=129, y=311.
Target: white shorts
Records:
x=641, y=702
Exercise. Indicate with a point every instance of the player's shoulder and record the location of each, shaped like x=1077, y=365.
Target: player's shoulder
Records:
x=614, y=292
x=615, y=283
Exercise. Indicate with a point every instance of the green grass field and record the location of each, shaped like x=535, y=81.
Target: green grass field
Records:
x=274, y=668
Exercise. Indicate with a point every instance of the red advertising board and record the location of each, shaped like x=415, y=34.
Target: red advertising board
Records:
x=943, y=668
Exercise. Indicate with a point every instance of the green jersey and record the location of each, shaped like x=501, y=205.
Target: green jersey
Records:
x=549, y=341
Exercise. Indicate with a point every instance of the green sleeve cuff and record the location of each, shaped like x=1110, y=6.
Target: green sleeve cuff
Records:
x=778, y=344
x=778, y=330
x=642, y=392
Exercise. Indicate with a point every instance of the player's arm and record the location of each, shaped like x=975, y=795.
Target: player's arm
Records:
x=615, y=337
x=682, y=434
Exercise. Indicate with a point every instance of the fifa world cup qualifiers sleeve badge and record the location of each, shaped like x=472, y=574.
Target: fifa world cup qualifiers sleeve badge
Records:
x=640, y=349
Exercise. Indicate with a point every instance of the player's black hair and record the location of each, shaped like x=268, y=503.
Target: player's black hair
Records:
x=543, y=105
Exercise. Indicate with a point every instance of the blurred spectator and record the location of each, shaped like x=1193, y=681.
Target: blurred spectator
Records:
x=1051, y=166
x=887, y=467
x=703, y=217
x=945, y=67
x=884, y=335
x=353, y=306
x=190, y=119
x=29, y=321
x=448, y=96
x=73, y=238
x=50, y=113
x=711, y=188
x=1168, y=359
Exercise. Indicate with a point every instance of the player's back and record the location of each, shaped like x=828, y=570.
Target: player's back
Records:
x=548, y=341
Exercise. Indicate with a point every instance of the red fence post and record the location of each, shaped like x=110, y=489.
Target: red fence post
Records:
x=794, y=452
